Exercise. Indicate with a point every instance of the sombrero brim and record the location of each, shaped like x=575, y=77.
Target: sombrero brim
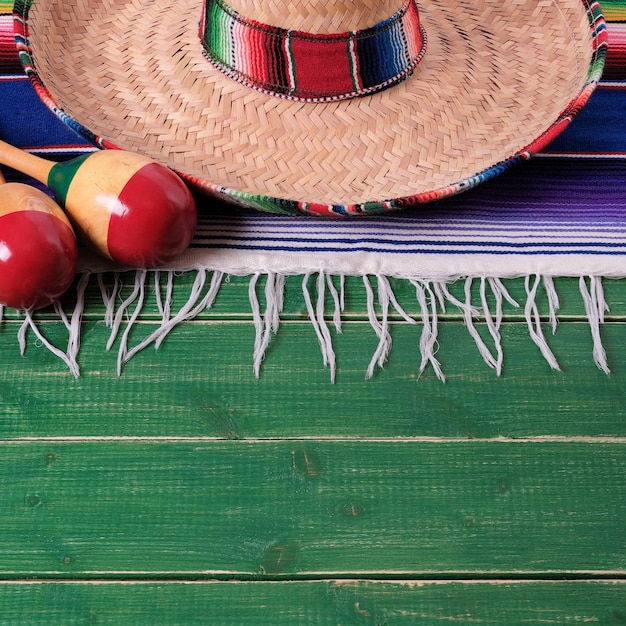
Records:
x=498, y=82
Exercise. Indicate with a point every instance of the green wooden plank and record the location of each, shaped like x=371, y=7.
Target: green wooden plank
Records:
x=300, y=509
x=500, y=603
x=201, y=383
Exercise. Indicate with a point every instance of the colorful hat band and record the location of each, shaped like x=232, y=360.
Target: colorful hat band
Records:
x=313, y=67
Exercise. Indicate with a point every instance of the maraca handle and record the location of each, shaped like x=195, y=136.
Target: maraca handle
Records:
x=29, y=164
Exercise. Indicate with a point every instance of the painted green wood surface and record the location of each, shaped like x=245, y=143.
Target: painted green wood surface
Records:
x=322, y=603
x=314, y=508
x=130, y=495
x=201, y=383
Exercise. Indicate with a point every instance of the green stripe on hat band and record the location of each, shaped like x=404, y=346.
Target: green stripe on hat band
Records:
x=314, y=67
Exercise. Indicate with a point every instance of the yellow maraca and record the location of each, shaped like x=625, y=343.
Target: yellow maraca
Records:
x=128, y=207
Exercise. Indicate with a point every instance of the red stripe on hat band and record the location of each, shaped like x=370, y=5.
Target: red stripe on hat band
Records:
x=321, y=69
x=312, y=67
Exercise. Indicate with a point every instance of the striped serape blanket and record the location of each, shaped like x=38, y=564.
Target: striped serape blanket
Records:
x=563, y=213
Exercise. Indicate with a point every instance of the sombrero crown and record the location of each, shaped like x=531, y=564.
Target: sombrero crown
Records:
x=318, y=106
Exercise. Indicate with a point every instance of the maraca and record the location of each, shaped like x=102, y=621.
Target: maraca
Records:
x=37, y=248
x=128, y=207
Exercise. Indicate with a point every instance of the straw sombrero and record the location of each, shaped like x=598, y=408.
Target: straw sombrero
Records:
x=317, y=106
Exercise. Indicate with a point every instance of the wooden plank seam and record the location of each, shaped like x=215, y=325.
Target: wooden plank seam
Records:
x=122, y=315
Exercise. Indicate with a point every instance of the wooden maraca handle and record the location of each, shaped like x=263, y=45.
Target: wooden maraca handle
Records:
x=29, y=164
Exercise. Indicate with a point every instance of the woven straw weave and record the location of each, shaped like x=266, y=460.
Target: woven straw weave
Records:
x=495, y=76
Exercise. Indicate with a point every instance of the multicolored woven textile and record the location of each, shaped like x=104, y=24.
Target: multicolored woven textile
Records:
x=309, y=67
x=247, y=33
x=563, y=213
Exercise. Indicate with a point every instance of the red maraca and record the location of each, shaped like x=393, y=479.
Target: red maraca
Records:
x=128, y=207
x=37, y=248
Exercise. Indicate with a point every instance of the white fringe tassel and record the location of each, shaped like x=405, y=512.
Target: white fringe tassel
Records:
x=269, y=322
x=429, y=345
x=72, y=325
x=533, y=320
x=318, y=321
x=484, y=351
x=432, y=297
x=595, y=307
x=386, y=299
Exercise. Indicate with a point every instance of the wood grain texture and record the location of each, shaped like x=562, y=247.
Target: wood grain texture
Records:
x=295, y=509
x=122, y=500
x=201, y=383
x=319, y=603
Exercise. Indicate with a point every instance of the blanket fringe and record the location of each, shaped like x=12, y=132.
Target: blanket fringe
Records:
x=427, y=297
x=595, y=307
x=483, y=319
x=318, y=320
x=533, y=320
